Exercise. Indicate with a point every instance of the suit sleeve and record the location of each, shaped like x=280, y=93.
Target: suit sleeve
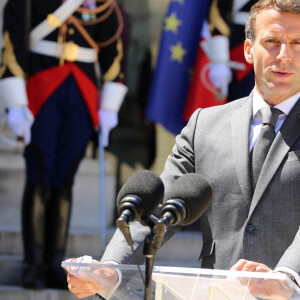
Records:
x=177, y=164
x=290, y=258
x=182, y=160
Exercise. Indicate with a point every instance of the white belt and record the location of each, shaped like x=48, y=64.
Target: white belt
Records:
x=59, y=16
x=67, y=51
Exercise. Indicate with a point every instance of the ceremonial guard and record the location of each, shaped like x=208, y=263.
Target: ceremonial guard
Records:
x=221, y=73
x=225, y=48
x=51, y=96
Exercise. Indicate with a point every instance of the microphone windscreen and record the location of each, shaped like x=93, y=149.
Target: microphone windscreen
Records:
x=195, y=192
x=146, y=185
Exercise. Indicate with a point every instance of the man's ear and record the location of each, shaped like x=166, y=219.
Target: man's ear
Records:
x=248, y=51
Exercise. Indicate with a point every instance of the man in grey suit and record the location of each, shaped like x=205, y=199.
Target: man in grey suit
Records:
x=253, y=221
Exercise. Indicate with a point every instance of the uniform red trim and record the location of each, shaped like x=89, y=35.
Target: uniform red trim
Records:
x=237, y=54
x=43, y=84
x=198, y=94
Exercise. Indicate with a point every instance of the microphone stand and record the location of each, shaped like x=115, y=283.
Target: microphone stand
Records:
x=153, y=242
x=150, y=253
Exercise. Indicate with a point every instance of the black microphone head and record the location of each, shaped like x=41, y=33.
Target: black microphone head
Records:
x=194, y=192
x=145, y=185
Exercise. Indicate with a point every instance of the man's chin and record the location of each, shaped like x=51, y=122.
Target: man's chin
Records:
x=278, y=92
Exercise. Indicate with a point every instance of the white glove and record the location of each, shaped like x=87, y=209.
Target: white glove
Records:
x=111, y=99
x=220, y=75
x=108, y=121
x=19, y=121
x=217, y=49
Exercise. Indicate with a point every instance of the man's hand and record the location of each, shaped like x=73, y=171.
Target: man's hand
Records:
x=263, y=288
x=81, y=288
x=97, y=281
x=19, y=121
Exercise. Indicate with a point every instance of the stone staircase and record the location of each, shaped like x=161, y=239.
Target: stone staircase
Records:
x=182, y=250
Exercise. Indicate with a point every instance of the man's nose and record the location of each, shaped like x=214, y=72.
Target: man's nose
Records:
x=284, y=54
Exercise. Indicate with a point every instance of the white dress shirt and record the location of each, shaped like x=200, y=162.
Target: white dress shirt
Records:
x=258, y=102
x=256, y=124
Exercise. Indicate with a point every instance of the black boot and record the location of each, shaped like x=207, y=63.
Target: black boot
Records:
x=33, y=219
x=58, y=217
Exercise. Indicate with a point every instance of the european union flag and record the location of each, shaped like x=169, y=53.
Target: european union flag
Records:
x=178, y=50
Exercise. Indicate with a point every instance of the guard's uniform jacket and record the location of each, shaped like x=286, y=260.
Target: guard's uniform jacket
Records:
x=89, y=35
x=68, y=41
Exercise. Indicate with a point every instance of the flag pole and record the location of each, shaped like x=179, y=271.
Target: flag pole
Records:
x=102, y=191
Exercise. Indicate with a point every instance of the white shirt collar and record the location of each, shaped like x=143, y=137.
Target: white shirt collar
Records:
x=285, y=106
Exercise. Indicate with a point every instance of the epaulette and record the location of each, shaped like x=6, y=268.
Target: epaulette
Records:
x=216, y=21
x=9, y=60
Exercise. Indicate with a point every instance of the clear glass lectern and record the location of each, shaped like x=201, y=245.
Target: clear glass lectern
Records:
x=176, y=283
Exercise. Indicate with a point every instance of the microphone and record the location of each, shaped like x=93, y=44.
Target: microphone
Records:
x=138, y=198
x=188, y=198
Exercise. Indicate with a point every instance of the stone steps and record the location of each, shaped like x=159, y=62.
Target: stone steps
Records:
x=8, y=292
x=182, y=250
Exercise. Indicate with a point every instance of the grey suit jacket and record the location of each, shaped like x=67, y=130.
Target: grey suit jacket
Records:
x=262, y=226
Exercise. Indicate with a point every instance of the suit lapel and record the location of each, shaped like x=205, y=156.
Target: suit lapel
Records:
x=285, y=139
x=240, y=127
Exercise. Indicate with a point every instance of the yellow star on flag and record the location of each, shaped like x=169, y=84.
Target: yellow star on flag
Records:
x=172, y=23
x=177, y=52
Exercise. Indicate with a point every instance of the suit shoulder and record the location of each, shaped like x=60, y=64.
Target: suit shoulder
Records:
x=226, y=108
x=220, y=112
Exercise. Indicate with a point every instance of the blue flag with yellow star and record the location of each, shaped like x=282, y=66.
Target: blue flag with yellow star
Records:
x=177, y=54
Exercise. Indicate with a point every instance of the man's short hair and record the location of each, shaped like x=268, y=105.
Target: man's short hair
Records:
x=289, y=6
